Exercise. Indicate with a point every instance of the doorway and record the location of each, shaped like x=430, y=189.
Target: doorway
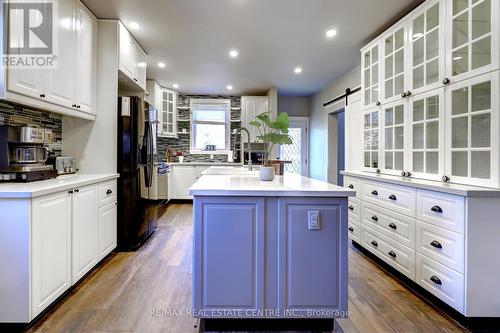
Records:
x=336, y=145
x=297, y=153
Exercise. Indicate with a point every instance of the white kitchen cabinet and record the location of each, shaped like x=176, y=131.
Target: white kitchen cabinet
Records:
x=251, y=107
x=84, y=230
x=394, y=137
x=132, y=59
x=140, y=61
x=371, y=135
x=107, y=233
x=154, y=94
x=167, y=114
x=182, y=177
x=394, y=49
x=51, y=249
x=370, y=74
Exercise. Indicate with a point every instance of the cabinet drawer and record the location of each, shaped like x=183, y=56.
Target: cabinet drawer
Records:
x=353, y=184
x=444, y=246
x=395, y=198
x=441, y=209
x=442, y=282
x=398, y=227
x=353, y=230
x=107, y=193
x=398, y=256
x=354, y=208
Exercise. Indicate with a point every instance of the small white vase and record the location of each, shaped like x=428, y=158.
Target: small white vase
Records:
x=181, y=159
x=266, y=173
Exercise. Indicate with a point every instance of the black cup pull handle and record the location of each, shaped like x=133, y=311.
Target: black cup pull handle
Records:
x=351, y=229
x=374, y=218
x=374, y=243
x=374, y=192
x=351, y=186
x=351, y=208
x=392, y=254
x=436, y=244
x=393, y=197
x=436, y=280
x=437, y=209
x=393, y=226
x=108, y=192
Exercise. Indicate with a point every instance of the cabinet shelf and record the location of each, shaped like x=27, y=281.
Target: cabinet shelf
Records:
x=186, y=119
x=183, y=108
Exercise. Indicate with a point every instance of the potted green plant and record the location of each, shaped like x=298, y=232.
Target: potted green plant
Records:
x=271, y=133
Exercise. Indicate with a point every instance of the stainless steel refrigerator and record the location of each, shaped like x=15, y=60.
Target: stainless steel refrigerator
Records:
x=137, y=214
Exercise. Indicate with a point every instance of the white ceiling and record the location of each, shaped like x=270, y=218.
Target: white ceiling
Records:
x=193, y=38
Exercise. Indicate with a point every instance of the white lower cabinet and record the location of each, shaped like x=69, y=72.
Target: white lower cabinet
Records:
x=182, y=177
x=107, y=232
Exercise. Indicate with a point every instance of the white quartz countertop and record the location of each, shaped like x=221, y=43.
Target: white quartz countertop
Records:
x=289, y=185
x=194, y=163
x=457, y=189
x=44, y=187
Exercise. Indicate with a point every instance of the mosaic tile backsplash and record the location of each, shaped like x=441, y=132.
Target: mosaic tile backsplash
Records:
x=16, y=115
x=183, y=142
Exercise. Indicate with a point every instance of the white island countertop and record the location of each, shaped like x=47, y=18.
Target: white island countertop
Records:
x=44, y=187
x=289, y=185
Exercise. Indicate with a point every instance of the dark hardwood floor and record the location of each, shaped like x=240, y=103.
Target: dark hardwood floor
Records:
x=139, y=291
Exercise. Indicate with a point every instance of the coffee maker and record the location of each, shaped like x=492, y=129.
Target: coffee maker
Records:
x=23, y=154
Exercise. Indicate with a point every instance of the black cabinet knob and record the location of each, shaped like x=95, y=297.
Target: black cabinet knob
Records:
x=403, y=173
x=393, y=197
x=392, y=254
x=445, y=179
x=70, y=192
x=77, y=190
x=377, y=171
x=74, y=105
x=42, y=95
x=446, y=80
x=436, y=244
x=78, y=106
x=351, y=229
x=378, y=103
x=374, y=218
x=408, y=93
x=108, y=192
x=374, y=192
x=408, y=174
x=393, y=226
x=437, y=209
x=351, y=186
x=135, y=79
x=403, y=95
x=351, y=208
x=374, y=243
x=436, y=280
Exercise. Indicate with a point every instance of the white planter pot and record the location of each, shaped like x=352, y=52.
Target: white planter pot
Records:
x=266, y=173
x=181, y=159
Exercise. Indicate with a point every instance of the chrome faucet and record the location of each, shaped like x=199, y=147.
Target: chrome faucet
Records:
x=242, y=148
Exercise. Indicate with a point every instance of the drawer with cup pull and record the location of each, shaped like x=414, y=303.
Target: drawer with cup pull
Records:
x=354, y=209
x=107, y=192
x=393, y=197
x=441, y=209
x=353, y=231
x=441, y=281
x=396, y=255
x=444, y=246
x=352, y=184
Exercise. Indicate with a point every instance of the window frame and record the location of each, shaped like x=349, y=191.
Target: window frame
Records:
x=227, y=123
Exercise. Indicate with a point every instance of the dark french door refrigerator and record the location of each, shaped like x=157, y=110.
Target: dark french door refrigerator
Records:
x=137, y=215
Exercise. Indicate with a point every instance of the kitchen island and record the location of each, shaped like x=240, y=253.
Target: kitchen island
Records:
x=268, y=249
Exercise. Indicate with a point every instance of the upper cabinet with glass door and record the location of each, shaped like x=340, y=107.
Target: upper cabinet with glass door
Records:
x=371, y=134
x=394, y=50
x=167, y=116
x=473, y=44
x=427, y=47
x=394, y=137
x=370, y=60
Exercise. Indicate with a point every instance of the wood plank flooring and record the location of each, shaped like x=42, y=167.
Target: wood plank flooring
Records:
x=136, y=291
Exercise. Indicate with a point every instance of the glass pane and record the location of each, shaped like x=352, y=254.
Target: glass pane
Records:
x=367, y=78
x=165, y=105
x=398, y=161
x=367, y=120
x=418, y=27
x=374, y=94
x=460, y=60
x=481, y=53
x=459, y=5
x=459, y=163
x=418, y=77
x=366, y=140
x=418, y=136
x=418, y=52
x=389, y=161
x=432, y=162
x=399, y=116
x=481, y=96
x=480, y=164
x=418, y=162
x=388, y=67
x=460, y=132
x=399, y=62
x=374, y=140
x=207, y=134
x=432, y=43
x=367, y=60
x=399, y=137
x=481, y=130
x=418, y=110
x=375, y=55
x=460, y=30
x=367, y=96
x=432, y=71
x=389, y=45
x=209, y=114
x=399, y=39
x=432, y=135
x=389, y=119
x=375, y=119
x=374, y=75
x=481, y=19
x=374, y=160
x=432, y=107
x=170, y=128
x=433, y=17
x=388, y=139
x=367, y=160
x=388, y=89
x=460, y=98
x=399, y=84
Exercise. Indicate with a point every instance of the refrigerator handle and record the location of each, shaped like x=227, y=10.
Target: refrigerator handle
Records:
x=150, y=153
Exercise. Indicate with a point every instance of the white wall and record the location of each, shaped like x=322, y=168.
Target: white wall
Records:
x=295, y=106
x=318, y=123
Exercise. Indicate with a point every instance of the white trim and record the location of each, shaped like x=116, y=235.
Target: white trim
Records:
x=305, y=158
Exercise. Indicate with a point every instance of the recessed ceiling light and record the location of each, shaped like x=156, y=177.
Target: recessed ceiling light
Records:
x=233, y=53
x=297, y=70
x=229, y=87
x=161, y=64
x=331, y=33
x=175, y=85
x=134, y=26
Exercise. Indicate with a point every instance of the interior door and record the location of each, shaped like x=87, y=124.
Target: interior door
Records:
x=297, y=152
